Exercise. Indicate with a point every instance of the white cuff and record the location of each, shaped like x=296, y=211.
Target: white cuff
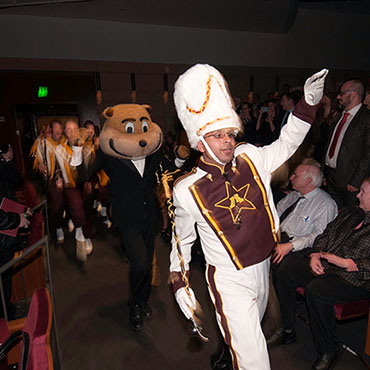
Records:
x=76, y=156
x=179, y=162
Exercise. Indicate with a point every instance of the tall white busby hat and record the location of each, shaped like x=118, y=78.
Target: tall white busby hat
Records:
x=203, y=102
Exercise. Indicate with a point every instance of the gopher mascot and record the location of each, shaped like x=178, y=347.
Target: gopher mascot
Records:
x=128, y=153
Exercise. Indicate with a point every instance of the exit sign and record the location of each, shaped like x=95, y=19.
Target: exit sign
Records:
x=43, y=92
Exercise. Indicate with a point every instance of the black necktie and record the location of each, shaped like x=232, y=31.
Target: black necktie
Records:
x=289, y=210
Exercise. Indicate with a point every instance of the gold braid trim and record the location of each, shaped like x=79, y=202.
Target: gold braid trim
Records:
x=206, y=100
x=210, y=123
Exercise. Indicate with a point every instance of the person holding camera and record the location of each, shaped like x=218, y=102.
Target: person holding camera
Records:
x=267, y=122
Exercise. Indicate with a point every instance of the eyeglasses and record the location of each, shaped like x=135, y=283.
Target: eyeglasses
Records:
x=221, y=135
x=342, y=92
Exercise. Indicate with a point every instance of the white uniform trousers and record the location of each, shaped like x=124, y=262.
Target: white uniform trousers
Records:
x=240, y=299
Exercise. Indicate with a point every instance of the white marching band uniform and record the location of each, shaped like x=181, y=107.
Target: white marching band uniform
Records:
x=237, y=258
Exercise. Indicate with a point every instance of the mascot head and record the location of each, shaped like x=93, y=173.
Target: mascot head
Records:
x=129, y=132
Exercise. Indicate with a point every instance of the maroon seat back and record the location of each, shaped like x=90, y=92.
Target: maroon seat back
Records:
x=38, y=326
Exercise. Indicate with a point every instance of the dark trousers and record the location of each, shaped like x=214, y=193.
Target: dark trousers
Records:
x=75, y=202
x=139, y=245
x=342, y=196
x=321, y=293
x=103, y=196
x=56, y=201
x=291, y=257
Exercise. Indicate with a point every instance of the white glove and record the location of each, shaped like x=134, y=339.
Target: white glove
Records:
x=314, y=87
x=76, y=156
x=186, y=303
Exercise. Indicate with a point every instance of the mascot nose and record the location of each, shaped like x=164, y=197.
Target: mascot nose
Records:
x=142, y=143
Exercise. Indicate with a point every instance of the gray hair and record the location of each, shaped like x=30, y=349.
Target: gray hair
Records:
x=313, y=170
x=359, y=87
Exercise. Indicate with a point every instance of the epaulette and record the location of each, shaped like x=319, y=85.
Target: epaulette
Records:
x=194, y=170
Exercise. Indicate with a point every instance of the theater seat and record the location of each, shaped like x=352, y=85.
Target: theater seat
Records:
x=34, y=338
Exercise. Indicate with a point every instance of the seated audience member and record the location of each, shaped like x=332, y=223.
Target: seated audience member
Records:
x=337, y=271
x=8, y=245
x=10, y=176
x=267, y=122
x=367, y=97
x=249, y=123
x=304, y=213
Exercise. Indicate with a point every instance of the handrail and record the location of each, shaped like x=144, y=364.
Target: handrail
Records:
x=24, y=254
x=43, y=203
x=43, y=242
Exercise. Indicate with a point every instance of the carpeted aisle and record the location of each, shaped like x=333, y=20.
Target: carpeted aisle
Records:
x=92, y=317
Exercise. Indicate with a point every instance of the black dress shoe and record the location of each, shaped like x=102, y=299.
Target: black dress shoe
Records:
x=221, y=360
x=135, y=318
x=326, y=361
x=280, y=336
x=145, y=310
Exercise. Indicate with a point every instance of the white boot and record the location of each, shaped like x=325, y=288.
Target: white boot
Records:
x=108, y=223
x=89, y=246
x=103, y=211
x=81, y=252
x=60, y=236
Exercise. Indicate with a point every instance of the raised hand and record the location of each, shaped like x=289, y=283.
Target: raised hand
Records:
x=314, y=87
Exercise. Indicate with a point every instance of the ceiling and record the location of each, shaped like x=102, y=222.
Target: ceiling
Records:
x=271, y=16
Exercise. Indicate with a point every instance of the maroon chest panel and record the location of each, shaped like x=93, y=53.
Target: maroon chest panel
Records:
x=234, y=204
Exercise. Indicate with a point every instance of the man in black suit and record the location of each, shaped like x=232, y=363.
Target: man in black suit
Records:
x=129, y=155
x=347, y=157
x=135, y=213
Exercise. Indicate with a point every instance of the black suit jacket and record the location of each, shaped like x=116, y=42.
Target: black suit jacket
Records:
x=353, y=163
x=132, y=197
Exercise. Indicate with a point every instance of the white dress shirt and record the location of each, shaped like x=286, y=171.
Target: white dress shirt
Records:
x=332, y=162
x=140, y=165
x=309, y=218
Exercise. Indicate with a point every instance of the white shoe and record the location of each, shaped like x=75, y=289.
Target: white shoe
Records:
x=71, y=225
x=81, y=253
x=60, y=236
x=108, y=223
x=89, y=246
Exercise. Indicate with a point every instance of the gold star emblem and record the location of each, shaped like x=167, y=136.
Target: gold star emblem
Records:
x=236, y=202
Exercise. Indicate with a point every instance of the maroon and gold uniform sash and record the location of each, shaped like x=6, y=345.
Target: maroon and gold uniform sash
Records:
x=43, y=151
x=68, y=173
x=233, y=201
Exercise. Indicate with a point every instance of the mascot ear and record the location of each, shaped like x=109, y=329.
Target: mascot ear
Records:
x=148, y=108
x=108, y=112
